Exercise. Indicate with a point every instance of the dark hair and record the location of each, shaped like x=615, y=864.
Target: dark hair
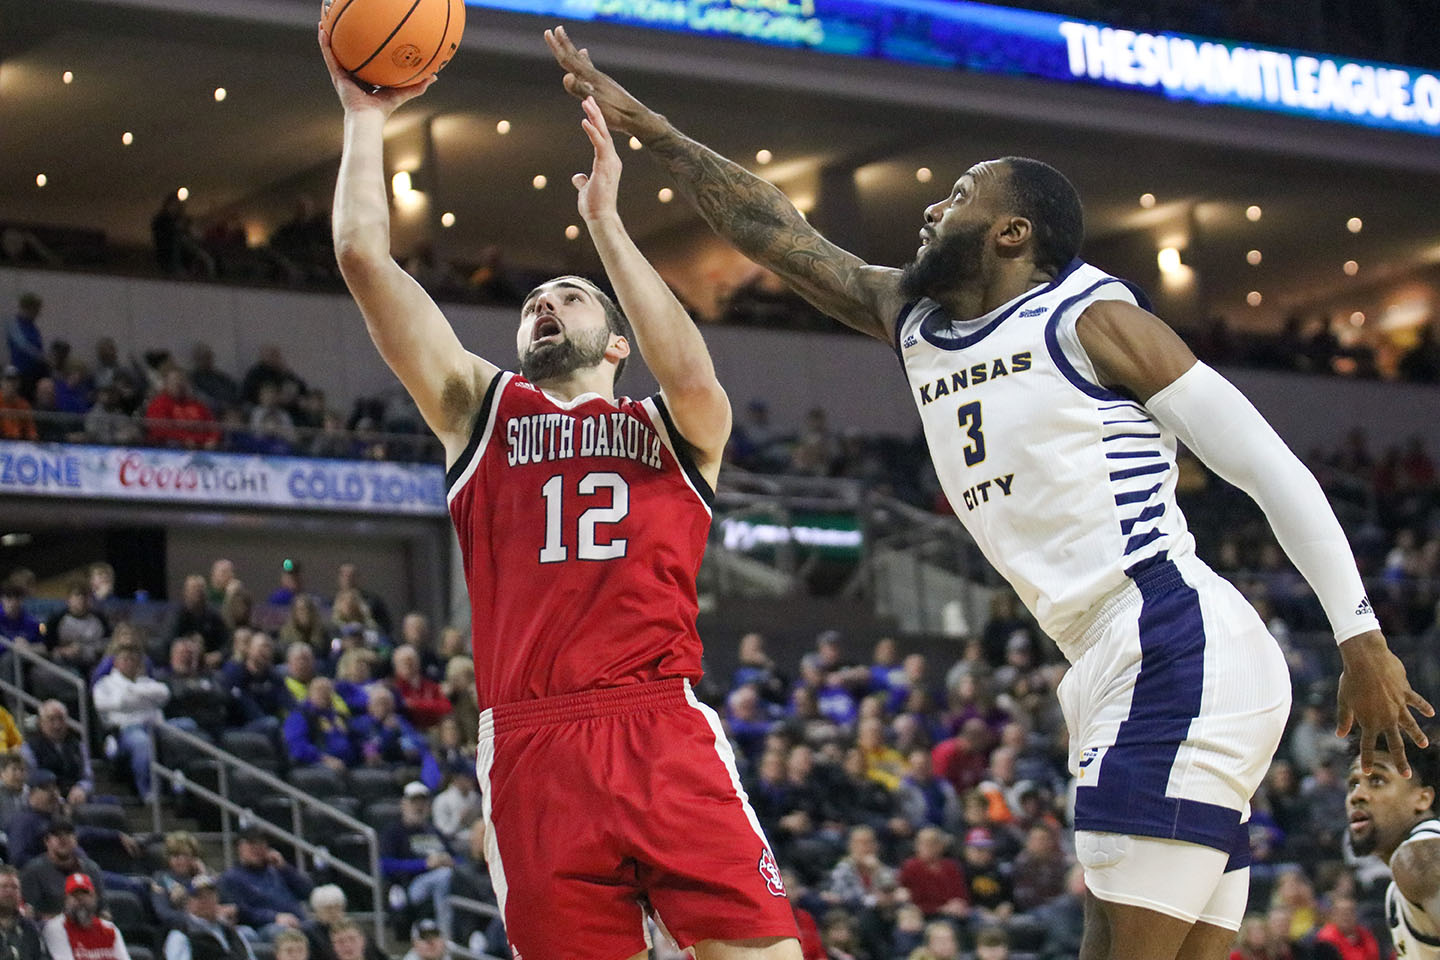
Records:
x=1042, y=195
x=615, y=318
x=1424, y=762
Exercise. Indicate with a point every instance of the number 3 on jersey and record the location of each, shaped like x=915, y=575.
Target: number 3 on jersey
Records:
x=969, y=418
x=554, y=550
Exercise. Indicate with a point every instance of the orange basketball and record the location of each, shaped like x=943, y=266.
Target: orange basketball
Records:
x=393, y=43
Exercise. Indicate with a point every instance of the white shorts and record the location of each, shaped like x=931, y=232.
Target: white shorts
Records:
x=1175, y=708
x=1178, y=879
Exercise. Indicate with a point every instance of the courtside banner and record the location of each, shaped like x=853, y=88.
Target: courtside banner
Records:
x=224, y=479
x=981, y=38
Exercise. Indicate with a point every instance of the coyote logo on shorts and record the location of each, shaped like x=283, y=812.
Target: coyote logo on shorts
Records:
x=770, y=870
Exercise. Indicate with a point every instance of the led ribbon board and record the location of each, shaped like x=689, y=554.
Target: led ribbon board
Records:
x=987, y=39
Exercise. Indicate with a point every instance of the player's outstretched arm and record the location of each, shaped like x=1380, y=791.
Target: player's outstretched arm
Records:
x=669, y=341
x=1136, y=352
x=412, y=335
x=750, y=212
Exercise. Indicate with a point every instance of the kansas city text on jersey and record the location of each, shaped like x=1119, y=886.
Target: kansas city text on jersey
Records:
x=538, y=437
x=973, y=375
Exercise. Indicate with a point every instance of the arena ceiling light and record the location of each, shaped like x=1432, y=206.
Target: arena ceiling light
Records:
x=763, y=157
x=1354, y=224
x=1253, y=213
x=503, y=127
x=1169, y=259
x=1147, y=200
x=1253, y=258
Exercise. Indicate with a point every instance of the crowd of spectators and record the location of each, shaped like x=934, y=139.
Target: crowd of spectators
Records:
x=917, y=808
x=363, y=705
x=49, y=394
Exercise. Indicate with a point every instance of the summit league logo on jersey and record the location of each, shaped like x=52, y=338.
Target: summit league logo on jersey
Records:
x=770, y=870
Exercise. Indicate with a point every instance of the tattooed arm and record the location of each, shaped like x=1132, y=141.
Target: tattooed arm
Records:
x=750, y=212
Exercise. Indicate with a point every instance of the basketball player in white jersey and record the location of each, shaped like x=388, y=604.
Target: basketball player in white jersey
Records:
x=1394, y=817
x=1052, y=401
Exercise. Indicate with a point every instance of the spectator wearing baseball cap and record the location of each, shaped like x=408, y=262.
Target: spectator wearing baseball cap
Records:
x=415, y=858
x=206, y=934
x=427, y=942
x=47, y=878
x=991, y=894
x=40, y=806
x=269, y=893
x=80, y=931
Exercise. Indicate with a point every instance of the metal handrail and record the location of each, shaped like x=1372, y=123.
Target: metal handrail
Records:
x=248, y=817
x=22, y=697
x=471, y=906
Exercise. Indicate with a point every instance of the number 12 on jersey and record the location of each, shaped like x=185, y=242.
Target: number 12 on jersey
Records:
x=969, y=419
x=586, y=548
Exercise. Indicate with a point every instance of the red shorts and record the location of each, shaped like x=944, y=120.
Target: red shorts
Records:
x=605, y=802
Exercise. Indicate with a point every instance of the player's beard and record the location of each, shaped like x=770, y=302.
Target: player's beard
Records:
x=549, y=361
x=1364, y=844
x=946, y=263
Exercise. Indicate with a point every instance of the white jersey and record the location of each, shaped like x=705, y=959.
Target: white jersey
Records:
x=1067, y=487
x=1415, y=933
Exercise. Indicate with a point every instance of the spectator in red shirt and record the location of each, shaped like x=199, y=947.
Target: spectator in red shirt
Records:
x=80, y=933
x=962, y=759
x=1344, y=933
x=178, y=403
x=424, y=701
x=936, y=882
x=16, y=420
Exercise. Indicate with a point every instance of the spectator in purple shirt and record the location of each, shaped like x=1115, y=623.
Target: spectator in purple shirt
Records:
x=316, y=733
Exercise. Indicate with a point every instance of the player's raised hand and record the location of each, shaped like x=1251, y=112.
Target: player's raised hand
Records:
x=1375, y=693
x=622, y=111
x=600, y=190
x=354, y=97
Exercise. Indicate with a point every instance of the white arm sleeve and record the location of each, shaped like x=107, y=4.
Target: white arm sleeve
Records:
x=1213, y=418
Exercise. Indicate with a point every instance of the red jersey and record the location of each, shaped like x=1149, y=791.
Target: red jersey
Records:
x=582, y=525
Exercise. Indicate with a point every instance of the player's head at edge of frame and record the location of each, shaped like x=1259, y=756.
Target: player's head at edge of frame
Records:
x=1000, y=213
x=568, y=323
x=1383, y=806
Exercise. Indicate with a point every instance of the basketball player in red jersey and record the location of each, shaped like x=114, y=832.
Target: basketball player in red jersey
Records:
x=609, y=789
